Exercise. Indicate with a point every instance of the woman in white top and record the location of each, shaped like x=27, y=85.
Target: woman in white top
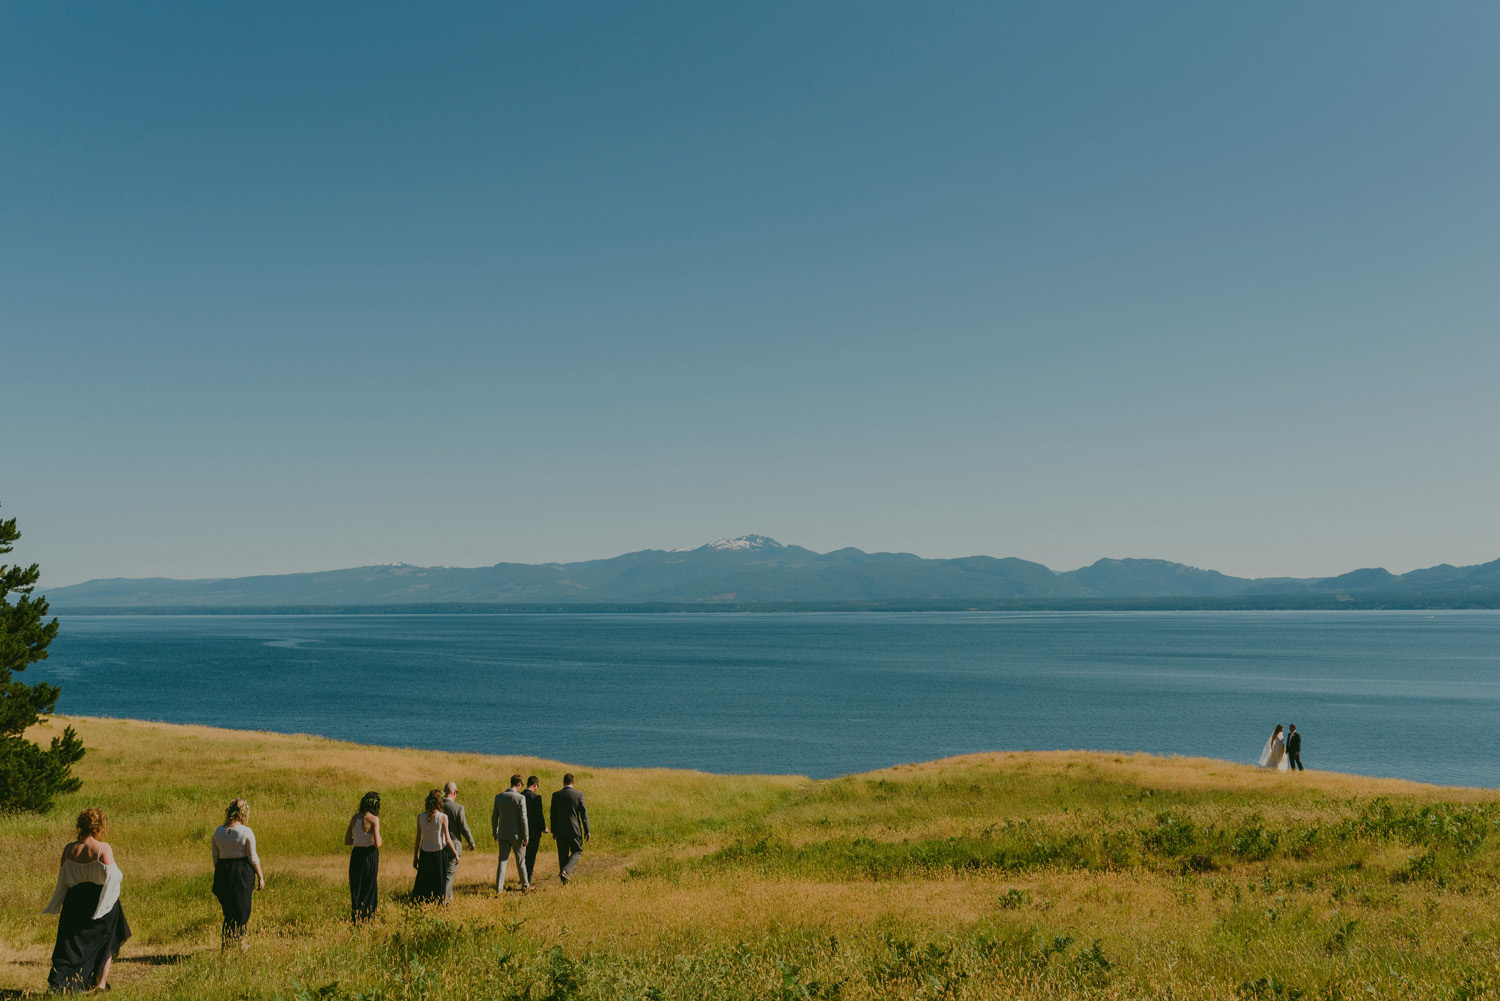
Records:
x=1274, y=753
x=91, y=925
x=432, y=844
x=237, y=870
x=364, y=861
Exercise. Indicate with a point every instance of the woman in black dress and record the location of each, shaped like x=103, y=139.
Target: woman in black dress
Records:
x=91, y=925
x=237, y=870
x=364, y=861
x=431, y=846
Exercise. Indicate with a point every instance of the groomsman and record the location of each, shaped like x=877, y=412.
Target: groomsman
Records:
x=536, y=822
x=570, y=826
x=1294, y=749
x=458, y=833
x=508, y=824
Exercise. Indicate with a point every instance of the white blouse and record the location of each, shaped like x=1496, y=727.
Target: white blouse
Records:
x=361, y=837
x=235, y=842
x=72, y=873
x=434, y=831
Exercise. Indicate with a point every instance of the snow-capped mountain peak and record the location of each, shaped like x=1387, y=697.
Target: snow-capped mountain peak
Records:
x=745, y=542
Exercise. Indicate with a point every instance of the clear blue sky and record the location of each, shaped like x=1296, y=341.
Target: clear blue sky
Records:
x=301, y=286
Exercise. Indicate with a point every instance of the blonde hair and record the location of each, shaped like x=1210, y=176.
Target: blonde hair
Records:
x=238, y=809
x=91, y=823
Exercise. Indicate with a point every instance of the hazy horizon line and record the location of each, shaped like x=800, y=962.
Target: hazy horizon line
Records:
x=42, y=587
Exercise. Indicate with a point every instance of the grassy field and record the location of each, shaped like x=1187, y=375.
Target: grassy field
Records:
x=1042, y=875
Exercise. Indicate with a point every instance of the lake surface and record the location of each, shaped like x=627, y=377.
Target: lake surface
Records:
x=1409, y=694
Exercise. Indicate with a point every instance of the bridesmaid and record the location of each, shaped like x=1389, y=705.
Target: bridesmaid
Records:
x=364, y=861
x=432, y=844
x=236, y=871
x=91, y=925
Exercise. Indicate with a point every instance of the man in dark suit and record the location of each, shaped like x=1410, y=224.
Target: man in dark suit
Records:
x=570, y=826
x=536, y=821
x=458, y=832
x=1294, y=749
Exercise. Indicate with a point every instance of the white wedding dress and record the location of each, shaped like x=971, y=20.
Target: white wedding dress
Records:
x=1274, y=755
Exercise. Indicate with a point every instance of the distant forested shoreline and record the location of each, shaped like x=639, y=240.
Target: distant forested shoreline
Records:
x=1267, y=603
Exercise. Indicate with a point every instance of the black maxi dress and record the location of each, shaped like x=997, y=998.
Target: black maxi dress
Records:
x=364, y=882
x=430, y=864
x=83, y=941
x=428, y=887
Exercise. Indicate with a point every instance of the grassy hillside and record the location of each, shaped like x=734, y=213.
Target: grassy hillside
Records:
x=990, y=876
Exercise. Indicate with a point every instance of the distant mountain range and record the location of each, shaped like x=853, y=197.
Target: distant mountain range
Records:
x=756, y=571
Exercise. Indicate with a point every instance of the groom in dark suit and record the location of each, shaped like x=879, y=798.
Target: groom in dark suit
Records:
x=570, y=826
x=1294, y=749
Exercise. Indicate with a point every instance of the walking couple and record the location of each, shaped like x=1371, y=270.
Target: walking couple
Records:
x=442, y=831
x=1283, y=752
x=518, y=822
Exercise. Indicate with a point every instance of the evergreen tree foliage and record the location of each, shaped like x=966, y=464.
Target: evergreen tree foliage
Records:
x=30, y=777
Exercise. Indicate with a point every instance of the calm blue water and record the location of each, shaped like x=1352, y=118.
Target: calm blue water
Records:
x=1411, y=694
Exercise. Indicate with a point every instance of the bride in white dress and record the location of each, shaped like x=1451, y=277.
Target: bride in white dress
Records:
x=1274, y=755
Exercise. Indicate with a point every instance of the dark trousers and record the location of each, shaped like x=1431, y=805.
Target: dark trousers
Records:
x=1294, y=761
x=568, y=854
x=532, y=847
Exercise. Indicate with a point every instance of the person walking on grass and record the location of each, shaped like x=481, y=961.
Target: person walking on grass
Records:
x=91, y=925
x=536, y=822
x=570, y=826
x=1294, y=748
x=509, y=826
x=458, y=833
x=237, y=871
x=363, y=833
x=430, y=851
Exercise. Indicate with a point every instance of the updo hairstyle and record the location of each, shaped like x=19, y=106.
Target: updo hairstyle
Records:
x=238, y=809
x=91, y=823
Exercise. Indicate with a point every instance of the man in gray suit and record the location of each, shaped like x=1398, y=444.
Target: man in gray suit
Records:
x=570, y=826
x=508, y=824
x=458, y=831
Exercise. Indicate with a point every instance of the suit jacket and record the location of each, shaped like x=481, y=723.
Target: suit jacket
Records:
x=570, y=818
x=536, y=815
x=458, y=826
x=508, y=818
x=1294, y=744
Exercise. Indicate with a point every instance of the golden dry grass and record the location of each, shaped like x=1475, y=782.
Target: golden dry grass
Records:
x=1054, y=874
